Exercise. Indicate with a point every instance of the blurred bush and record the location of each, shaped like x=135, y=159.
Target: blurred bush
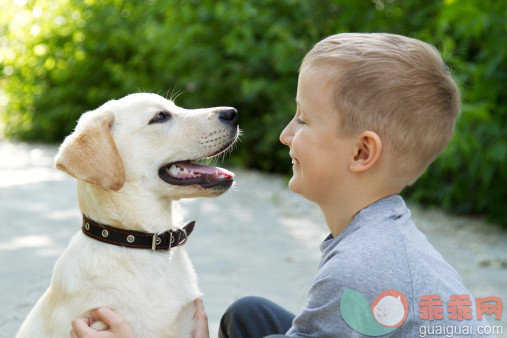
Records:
x=61, y=58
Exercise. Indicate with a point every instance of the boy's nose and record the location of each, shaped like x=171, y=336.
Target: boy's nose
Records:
x=286, y=135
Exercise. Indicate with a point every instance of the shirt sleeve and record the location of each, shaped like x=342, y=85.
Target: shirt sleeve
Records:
x=321, y=317
x=362, y=277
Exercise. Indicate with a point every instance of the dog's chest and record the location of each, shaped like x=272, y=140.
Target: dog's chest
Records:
x=148, y=289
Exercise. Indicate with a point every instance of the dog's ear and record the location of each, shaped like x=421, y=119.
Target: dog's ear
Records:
x=90, y=154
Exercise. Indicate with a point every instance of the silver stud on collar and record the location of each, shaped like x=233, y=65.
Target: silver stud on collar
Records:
x=87, y=226
x=130, y=238
x=105, y=233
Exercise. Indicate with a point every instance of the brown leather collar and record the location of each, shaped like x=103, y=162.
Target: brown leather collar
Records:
x=137, y=239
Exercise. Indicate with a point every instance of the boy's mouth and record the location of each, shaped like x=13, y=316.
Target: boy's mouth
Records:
x=294, y=160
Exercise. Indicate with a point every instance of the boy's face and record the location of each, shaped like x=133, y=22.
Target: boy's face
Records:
x=320, y=158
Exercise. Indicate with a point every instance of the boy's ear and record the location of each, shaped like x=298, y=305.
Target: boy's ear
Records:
x=366, y=152
x=89, y=154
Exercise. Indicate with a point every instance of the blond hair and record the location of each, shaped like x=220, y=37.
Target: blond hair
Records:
x=398, y=87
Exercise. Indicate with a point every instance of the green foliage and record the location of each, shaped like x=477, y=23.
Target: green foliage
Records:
x=471, y=175
x=61, y=58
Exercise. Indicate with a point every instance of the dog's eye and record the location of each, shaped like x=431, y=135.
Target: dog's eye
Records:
x=160, y=117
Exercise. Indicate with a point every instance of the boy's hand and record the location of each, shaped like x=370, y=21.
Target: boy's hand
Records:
x=201, y=329
x=118, y=327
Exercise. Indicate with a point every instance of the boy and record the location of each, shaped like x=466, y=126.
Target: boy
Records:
x=373, y=111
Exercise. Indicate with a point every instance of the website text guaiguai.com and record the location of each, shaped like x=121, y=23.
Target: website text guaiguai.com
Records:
x=455, y=330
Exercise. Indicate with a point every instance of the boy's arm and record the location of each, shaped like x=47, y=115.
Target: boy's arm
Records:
x=320, y=317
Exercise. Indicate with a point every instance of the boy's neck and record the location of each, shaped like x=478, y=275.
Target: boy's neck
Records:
x=340, y=213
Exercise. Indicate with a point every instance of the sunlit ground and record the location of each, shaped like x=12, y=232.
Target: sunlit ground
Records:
x=257, y=239
x=20, y=165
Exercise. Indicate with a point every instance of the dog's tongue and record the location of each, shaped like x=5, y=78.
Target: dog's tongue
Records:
x=204, y=169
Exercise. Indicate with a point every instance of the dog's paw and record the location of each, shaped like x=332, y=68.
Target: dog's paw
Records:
x=99, y=325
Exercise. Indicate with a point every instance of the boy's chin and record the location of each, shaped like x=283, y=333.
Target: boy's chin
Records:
x=294, y=186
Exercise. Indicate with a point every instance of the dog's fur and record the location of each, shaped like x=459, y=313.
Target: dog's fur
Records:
x=116, y=154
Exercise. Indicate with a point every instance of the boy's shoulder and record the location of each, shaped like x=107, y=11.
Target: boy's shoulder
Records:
x=379, y=228
x=382, y=249
x=372, y=248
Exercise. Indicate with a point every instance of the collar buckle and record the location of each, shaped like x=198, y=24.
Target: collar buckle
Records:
x=155, y=241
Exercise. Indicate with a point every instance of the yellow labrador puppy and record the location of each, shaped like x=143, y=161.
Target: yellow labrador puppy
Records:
x=132, y=159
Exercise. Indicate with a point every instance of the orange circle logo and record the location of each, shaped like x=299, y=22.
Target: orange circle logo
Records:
x=390, y=308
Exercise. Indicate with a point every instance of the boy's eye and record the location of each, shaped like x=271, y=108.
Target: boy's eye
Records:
x=161, y=116
x=300, y=121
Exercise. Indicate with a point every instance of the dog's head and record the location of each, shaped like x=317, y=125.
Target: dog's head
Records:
x=147, y=141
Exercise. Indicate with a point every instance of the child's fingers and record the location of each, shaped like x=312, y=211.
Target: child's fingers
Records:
x=201, y=329
x=80, y=326
x=118, y=326
x=108, y=316
x=200, y=313
x=199, y=306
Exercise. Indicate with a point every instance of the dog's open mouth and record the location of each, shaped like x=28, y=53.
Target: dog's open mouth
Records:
x=188, y=173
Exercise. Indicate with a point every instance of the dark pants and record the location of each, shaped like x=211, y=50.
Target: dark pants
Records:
x=254, y=317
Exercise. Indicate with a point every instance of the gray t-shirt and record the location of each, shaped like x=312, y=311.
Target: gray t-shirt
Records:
x=381, y=250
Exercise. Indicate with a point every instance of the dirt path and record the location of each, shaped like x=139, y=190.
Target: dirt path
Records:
x=258, y=239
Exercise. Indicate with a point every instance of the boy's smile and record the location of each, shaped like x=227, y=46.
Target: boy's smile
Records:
x=319, y=156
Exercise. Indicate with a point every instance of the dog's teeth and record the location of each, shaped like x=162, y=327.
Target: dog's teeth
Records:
x=182, y=173
x=174, y=170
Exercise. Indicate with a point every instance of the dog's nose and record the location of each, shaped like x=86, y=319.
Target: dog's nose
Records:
x=229, y=115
